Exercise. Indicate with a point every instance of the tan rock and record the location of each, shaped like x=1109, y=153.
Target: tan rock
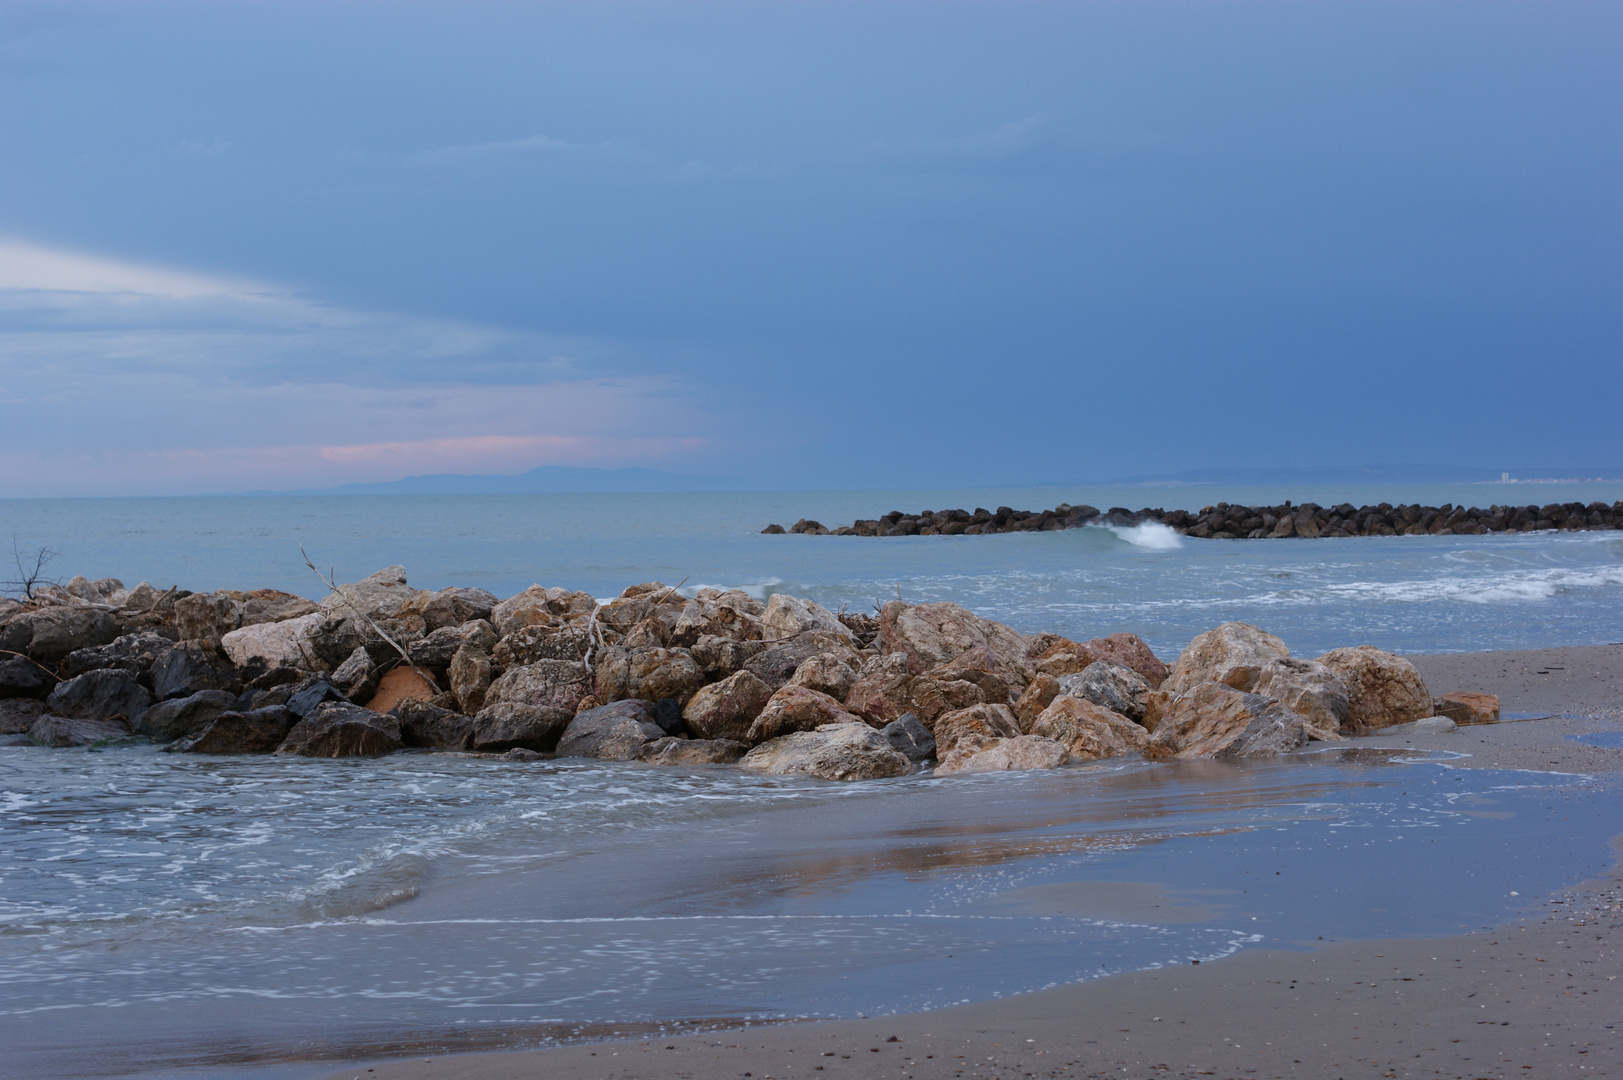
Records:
x=552, y=607
x=1130, y=652
x=983, y=722
x=448, y=607
x=398, y=685
x=852, y=751
x=1019, y=753
x=379, y=596
x=1155, y=707
x=998, y=682
x=648, y=674
x=1038, y=696
x=613, y=732
x=827, y=673
x=733, y=615
x=796, y=708
x=1382, y=689
x=469, y=677
x=207, y=617
x=932, y=634
x=1232, y=654
x=1214, y=720
x=1308, y=689
x=1088, y=731
x=726, y=709
x=1465, y=707
x=882, y=692
x=789, y=616
x=928, y=698
x=556, y=684
x=276, y=644
x=652, y=600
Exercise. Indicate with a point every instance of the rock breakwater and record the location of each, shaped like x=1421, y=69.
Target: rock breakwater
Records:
x=655, y=676
x=1234, y=522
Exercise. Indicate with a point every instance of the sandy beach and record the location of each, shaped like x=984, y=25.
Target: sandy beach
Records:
x=1538, y=997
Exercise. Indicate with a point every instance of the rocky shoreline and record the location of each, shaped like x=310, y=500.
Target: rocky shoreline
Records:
x=783, y=686
x=1226, y=522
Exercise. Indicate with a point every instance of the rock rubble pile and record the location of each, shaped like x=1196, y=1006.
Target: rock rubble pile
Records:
x=1226, y=522
x=782, y=686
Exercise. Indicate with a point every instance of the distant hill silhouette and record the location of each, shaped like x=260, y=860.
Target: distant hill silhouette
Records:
x=545, y=480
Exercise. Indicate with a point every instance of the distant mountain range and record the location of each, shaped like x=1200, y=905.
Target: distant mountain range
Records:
x=545, y=480
x=1371, y=474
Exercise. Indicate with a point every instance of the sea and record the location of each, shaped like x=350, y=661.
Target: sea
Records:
x=179, y=916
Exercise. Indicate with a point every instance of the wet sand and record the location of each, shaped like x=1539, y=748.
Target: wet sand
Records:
x=1538, y=998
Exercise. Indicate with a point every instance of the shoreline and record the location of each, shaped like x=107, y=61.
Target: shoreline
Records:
x=1416, y=1007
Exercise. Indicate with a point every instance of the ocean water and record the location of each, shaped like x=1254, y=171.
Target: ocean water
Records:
x=169, y=915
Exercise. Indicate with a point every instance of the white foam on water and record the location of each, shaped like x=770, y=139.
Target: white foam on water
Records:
x=1151, y=536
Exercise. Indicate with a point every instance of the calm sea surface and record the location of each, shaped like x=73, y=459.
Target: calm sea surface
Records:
x=174, y=915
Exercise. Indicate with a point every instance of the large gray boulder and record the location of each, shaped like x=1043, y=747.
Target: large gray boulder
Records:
x=107, y=694
x=177, y=718
x=136, y=653
x=433, y=728
x=517, y=726
x=614, y=732
x=258, y=731
x=192, y=666
x=378, y=596
x=674, y=751
x=338, y=729
x=1214, y=720
x=555, y=684
x=289, y=643
x=910, y=738
x=17, y=715
x=649, y=674
x=50, y=634
x=22, y=677
x=51, y=730
x=851, y=751
x=1110, y=685
x=1233, y=654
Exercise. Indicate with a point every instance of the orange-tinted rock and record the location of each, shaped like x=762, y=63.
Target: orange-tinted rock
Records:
x=1465, y=707
x=1088, y=731
x=981, y=723
x=1232, y=654
x=1215, y=720
x=1038, y=696
x=796, y=708
x=1382, y=689
x=1006, y=755
x=397, y=686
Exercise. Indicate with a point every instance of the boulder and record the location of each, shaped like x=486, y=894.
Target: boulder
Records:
x=379, y=596
x=50, y=634
x=1130, y=652
x=927, y=697
x=51, y=730
x=339, y=729
x=978, y=724
x=797, y=708
x=517, y=725
x=1464, y=707
x=469, y=677
x=144, y=599
x=1038, y=696
x=1214, y=720
x=448, y=608
x=909, y=738
x=672, y=751
x=726, y=709
x=357, y=676
x=932, y=634
x=553, y=607
x=721, y=657
x=106, y=694
x=1019, y=753
x=258, y=731
x=207, y=617
x=192, y=666
x=776, y=664
x=733, y=615
x=1382, y=689
x=1426, y=725
x=177, y=718
x=615, y=732
x=304, y=699
x=433, y=651
x=998, y=683
x=883, y=690
x=555, y=684
x=790, y=616
x=1308, y=689
x=276, y=644
x=17, y=715
x=539, y=641
x=851, y=751
x=398, y=685
x=433, y=728
x=827, y=673
x=136, y=653
x=1089, y=731
x=22, y=677
x=1233, y=654
x=1109, y=684
x=645, y=674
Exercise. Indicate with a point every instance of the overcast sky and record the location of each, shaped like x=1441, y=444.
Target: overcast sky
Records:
x=275, y=245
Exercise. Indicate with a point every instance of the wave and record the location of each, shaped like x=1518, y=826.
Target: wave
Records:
x=1151, y=535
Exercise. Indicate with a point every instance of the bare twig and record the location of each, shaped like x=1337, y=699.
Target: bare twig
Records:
x=31, y=660
x=331, y=581
x=30, y=579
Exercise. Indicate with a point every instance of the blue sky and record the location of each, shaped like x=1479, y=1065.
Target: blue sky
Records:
x=278, y=245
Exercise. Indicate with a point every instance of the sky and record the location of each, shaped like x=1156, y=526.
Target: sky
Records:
x=274, y=245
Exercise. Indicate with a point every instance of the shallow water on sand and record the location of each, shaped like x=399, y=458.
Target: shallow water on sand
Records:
x=165, y=914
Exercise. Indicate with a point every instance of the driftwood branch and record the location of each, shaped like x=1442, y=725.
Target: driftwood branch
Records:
x=331, y=581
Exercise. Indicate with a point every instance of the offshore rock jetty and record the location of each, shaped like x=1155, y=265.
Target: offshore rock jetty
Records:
x=782, y=686
x=1226, y=522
